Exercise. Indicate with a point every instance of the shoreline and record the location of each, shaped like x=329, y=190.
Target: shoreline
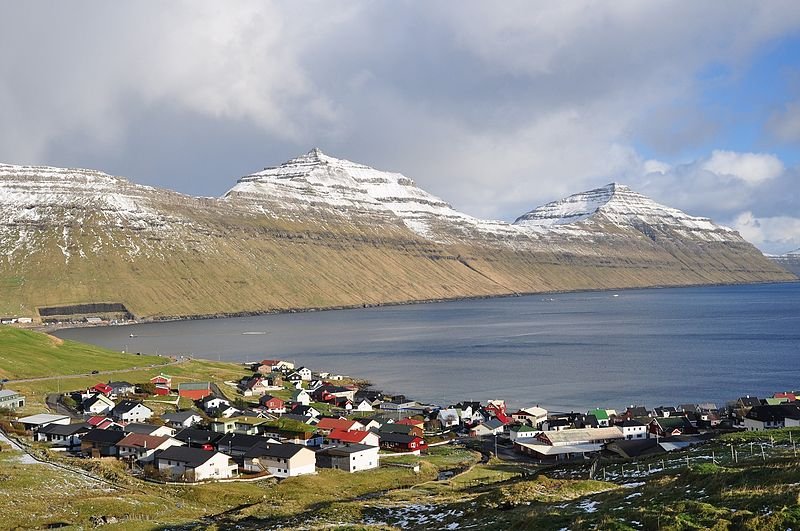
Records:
x=49, y=328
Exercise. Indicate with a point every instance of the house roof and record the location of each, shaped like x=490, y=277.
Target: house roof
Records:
x=239, y=441
x=599, y=414
x=749, y=401
x=118, y=385
x=140, y=427
x=534, y=411
x=104, y=436
x=769, y=413
x=524, y=428
x=97, y=419
x=493, y=424
x=394, y=427
x=346, y=449
x=582, y=434
x=328, y=423
x=192, y=457
x=42, y=418
x=198, y=436
x=194, y=386
x=65, y=429
x=299, y=418
x=126, y=406
x=632, y=423
x=8, y=393
x=401, y=438
x=141, y=440
x=180, y=416
x=349, y=436
x=267, y=449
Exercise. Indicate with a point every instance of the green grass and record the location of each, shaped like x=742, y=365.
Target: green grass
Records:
x=28, y=354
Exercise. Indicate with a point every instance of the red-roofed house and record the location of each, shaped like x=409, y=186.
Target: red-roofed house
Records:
x=789, y=397
x=143, y=447
x=102, y=388
x=354, y=437
x=273, y=404
x=327, y=424
x=417, y=423
x=102, y=423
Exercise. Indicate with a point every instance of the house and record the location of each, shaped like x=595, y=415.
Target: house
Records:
x=214, y=402
x=636, y=411
x=237, y=444
x=121, y=388
x=280, y=460
x=369, y=438
x=142, y=448
x=305, y=411
x=63, y=435
x=602, y=416
x=671, y=426
x=273, y=404
x=449, y=417
x=97, y=404
x=328, y=424
x=101, y=443
x=162, y=380
x=267, y=366
x=11, y=399
x=195, y=464
x=36, y=422
x=328, y=391
x=349, y=457
x=411, y=421
x=149, y=429
x=102, y=422
x=768, y=417
x=364, y=406
x=568, y=444
x=246, y=425
x=401, y=442
x=256, y=386
x=523, y=432
x=305, y=373
x=533, y=416
x=295, y=378
x=301, y=396
x=102, y=388
x=131, y=411
x=488, y=428
x=396, y=427
x=633, y=429
x=311, y=421
x=182, y=419
x=199, y=438
x=665, y=411
x=194, y=390
x=556, y=424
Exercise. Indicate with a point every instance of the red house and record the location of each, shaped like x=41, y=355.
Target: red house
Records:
x=329, y=424
x=273, y=404
x=401, y=442
x=102, y=388
x=163, y=384
x=194, y=390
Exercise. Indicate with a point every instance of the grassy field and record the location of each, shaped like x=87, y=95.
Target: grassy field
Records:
x=27, y=354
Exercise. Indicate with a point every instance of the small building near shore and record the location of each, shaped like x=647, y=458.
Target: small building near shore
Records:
x=11, y=399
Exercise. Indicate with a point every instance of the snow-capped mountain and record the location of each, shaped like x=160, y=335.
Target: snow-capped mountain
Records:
x=789, y=261
x=619, y=205
x=317, y=231
x=316, y=181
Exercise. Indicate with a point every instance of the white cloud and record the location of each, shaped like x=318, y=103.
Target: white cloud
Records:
x=752, y=168
x=656, y=166
x=776, y=235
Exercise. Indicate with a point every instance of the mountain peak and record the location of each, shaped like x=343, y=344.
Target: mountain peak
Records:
x=618, y=204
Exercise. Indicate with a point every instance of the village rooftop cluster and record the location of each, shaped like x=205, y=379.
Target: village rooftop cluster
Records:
x=285, y=421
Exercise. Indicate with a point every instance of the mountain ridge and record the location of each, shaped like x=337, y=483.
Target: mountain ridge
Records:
x=318, y=232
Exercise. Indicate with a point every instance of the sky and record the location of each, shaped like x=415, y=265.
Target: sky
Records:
x=495, y=107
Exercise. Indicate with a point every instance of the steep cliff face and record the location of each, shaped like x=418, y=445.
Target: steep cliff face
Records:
x=789, y=261
x=322, y=232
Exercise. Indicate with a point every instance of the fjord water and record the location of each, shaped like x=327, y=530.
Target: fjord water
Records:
x=563, y=351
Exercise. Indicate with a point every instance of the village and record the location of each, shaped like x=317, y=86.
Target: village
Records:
x=283, y=421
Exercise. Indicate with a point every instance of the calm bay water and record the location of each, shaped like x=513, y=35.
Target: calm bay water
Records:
x=565, y=352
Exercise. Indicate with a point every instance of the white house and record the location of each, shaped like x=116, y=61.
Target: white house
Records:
x=305, y=373
x=364, y=406
x=490, y=427
x=533, y=416
x=181, y=419
x=449, y=418
x=349, y=457
x=301, y=396
x=97, y=404
x=280, y=460
x=131, y=411
x=141, y=447
x=34, y=422
x=195, y=464
x=633, y=429
x=523, y=433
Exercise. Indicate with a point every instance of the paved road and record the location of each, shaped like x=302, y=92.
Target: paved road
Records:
x=24, y=457
x=83, y=375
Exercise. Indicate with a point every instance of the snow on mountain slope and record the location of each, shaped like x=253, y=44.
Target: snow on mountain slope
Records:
x=345, y=188
x=621, y=206
x=76, y=204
